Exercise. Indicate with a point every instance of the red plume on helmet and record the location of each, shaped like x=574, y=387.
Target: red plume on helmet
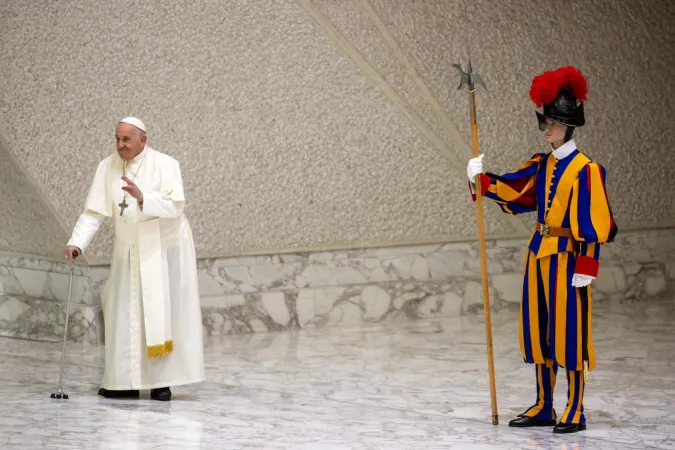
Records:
x=545, y=87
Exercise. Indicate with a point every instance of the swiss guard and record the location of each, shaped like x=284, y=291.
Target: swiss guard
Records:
x=567, y=192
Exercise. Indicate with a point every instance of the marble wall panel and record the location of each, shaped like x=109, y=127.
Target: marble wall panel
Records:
x=346, y=288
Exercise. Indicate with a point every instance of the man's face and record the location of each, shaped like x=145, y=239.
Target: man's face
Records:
x=555, y=132
x=130, y=141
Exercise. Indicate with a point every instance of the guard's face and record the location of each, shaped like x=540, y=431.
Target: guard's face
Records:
x=130, y=141
x=554, y=132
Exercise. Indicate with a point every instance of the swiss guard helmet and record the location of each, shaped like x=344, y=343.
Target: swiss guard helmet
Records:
x=561, y=93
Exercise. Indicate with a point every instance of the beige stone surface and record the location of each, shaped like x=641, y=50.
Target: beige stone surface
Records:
x=26, y=224
x=626, y=49
x=326, y=123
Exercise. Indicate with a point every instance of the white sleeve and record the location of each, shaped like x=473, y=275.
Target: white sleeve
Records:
x=168, y=201
x=85, y=229
x=154, y=204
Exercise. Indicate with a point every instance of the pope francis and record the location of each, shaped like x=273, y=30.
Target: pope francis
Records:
x=151, y=307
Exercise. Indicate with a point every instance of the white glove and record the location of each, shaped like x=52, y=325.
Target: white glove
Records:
x=579, y=280
x=475, y=167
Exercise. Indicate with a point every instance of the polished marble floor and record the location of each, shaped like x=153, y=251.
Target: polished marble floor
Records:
x=419, y=385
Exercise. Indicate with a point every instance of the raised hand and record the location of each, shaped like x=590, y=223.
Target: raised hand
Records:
x=132, y=189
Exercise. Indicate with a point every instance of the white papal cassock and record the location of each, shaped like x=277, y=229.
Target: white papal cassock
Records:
x=151, y=307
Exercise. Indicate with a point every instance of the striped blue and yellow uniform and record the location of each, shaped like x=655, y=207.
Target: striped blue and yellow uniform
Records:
x=568, y=195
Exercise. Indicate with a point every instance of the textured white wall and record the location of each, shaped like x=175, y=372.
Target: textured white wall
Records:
x=27, y=226
x=316, y=123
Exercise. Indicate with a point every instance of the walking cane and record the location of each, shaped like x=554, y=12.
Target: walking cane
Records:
x=59, y=394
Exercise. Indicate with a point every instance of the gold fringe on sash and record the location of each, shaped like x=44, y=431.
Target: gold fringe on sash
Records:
x=161, y=350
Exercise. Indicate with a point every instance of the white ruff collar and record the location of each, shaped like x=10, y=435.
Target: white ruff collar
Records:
x=565, y=150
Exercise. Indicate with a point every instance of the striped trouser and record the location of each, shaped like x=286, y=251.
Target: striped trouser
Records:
x=556, y=331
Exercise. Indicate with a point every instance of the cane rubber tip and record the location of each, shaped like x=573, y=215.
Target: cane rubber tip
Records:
x=495, y=420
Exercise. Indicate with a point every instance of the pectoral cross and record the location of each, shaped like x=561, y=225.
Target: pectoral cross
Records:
x=123, y=205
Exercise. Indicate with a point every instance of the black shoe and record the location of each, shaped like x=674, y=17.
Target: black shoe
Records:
x=525, y=422
x=569, y=428
x=118, y=394
x=161, y=394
